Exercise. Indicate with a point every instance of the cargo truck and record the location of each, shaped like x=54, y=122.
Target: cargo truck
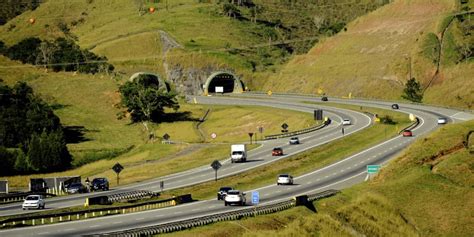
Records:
x=238, y=153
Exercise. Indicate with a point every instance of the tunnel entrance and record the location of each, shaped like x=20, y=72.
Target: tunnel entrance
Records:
x=150, y=79
x=223, y=82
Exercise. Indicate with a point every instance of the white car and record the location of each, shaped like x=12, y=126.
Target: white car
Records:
x=33, y=201
x=346, y=122
x=284, y=179
x=442, y=121
x=234, y=197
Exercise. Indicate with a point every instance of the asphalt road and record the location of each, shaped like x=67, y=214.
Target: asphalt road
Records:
x=339, y=175
x=257, y=157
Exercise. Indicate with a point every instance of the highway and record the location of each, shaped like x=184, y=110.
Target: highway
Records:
x=339, y=175
x=257, y=157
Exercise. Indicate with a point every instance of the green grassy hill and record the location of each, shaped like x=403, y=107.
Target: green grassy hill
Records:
x=372, y=58
x=426, y=191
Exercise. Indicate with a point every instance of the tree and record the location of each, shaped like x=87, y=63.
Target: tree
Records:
x=46, y=53
x=413, y=91
x=25, y=51
x=48, y=152
x=146, y=101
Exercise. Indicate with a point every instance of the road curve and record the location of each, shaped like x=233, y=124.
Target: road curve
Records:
x=257, y=157
x=341, y=174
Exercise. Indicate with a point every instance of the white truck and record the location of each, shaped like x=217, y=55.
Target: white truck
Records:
x=238, y=153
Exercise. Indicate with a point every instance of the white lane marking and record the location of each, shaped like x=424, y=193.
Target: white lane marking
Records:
x=309, y=182
x=43, y=233
x=118, y=222
x=179, y=212
x=139, y=219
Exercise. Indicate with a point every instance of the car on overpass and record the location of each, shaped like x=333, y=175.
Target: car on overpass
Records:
x=234, y=197
x=395, y=106
x=324, y=98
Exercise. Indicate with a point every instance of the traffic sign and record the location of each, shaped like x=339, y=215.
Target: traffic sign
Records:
x=117, y=168
x=284, y=126
x=373, y=169
x=216, y=165
x=255, y=197
x=166, y=136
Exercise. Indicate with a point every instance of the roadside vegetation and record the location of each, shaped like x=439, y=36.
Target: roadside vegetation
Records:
x=426, y=191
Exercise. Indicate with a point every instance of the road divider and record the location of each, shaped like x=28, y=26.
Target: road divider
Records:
x=227, y=216
x=302, y=131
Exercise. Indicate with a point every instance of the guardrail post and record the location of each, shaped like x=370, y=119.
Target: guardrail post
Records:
x=78, y=216
x=93, y=214
x=69, y=217
x=60, y=218
x=42, y=221
x=85, y=215
x=23, y=222
x=51, y=220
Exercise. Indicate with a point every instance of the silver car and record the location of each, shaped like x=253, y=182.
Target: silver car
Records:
x=284, y=179
x=234, y=197
x=33, y=201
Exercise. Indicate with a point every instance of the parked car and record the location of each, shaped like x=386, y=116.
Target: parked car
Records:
x=234, y=197
x=100, y=184
x=284, y=179
x=395, y=106
x=346, y=122
x=33, y=201
x=324, y=98
x=407, y=133
x=442, y=120
x=76, y=188
x=277, y=151
x=294, y=141
x=223, y=192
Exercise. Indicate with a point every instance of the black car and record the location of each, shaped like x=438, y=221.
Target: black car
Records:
x=100, y=184
x=222, y=192
x=395, y=106
x=324, y=98
x=76, y=188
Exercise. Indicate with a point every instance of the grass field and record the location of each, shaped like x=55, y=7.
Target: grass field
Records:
x=88, y=103
x=414, y=195
x=374, y=57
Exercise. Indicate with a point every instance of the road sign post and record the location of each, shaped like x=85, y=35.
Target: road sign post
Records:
x=260, y=130
x=250, y=135
x=117, y=169
x=284, y=127
x=162, y=185
x=216, y=165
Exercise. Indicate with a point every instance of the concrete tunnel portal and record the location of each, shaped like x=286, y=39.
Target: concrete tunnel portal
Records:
x=223, y=82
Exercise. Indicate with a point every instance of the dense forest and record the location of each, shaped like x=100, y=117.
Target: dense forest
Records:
x=31, y=135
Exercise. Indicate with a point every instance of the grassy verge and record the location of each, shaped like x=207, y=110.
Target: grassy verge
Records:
x=306, y=161
x=415, y=195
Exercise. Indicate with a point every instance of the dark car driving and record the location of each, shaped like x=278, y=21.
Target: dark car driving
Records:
x=100, y=184
x=223, y=192
x=76, y=188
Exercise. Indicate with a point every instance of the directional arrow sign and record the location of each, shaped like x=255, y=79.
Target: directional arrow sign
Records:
x=284, y=126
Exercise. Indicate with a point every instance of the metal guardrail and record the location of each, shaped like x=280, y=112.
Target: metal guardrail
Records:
x=411, y=126
x=289, y=134
x=205, y=220
x=132, y=195
x=39, y=219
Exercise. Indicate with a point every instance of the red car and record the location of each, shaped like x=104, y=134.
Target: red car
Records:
x=407, y=133
x=277, y=151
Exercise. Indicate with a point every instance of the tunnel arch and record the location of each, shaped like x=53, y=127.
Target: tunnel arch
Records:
x=152, y=79
x=229, y=81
